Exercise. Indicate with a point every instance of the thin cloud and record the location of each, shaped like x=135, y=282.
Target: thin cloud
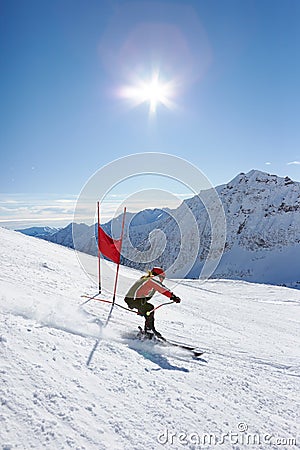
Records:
x=30, y=210
x=21, y=210
x=293, y=163
x=66, y=201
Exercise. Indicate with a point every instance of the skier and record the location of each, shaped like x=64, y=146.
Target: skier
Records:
x=142, y=291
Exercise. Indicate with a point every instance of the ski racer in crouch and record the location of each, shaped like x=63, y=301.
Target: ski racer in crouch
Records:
x=142, y=291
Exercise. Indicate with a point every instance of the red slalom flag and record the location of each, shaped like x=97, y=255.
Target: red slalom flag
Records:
x=108, y=246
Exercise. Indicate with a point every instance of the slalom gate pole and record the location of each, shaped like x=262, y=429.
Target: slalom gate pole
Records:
x=89, y=299
x=117, y=272
x=121, y=306
x=115, y=287
x=109, y=302
x=99, y=255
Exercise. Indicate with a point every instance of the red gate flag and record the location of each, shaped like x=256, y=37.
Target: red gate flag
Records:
x=108, y=246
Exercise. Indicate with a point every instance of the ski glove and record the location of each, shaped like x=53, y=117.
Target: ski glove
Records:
x=175, y=299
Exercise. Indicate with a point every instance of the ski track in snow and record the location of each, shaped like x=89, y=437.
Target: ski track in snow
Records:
x=133, y=392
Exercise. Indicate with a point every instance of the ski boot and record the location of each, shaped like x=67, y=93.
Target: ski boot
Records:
x=149, y=328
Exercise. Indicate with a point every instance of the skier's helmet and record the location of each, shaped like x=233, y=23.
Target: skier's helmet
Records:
x=160, y=272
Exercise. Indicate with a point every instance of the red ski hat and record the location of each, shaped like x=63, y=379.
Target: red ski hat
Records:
x=158, y=271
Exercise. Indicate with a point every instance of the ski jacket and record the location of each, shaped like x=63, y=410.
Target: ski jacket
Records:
x=146, y=287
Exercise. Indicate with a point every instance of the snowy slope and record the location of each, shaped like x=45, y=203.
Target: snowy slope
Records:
x=133, y=395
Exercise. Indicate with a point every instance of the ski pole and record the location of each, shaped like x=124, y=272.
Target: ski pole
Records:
x=159, y=306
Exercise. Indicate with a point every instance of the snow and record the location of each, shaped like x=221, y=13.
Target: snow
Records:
x=137, y=395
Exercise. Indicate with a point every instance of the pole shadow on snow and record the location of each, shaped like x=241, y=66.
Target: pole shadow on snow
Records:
x=100, y=325
x=92, y=352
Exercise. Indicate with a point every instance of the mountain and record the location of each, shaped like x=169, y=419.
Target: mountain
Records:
x=148, y=216
x=40, y=232
x=262, y=244
x=85, y=234
x=64, y=235
x=136, y=395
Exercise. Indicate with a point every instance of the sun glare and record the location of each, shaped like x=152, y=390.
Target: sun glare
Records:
x=154, y=92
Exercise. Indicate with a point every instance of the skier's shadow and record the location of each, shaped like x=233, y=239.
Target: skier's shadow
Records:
x=156, y=358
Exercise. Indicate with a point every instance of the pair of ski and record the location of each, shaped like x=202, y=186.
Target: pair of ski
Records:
x=157, y=337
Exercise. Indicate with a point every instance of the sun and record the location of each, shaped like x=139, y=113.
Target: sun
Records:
x=154, y=91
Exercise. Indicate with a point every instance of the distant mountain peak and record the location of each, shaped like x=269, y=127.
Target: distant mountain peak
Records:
x=255, y=176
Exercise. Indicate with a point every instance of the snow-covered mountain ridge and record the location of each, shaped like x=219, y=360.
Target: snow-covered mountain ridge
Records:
x=262, y=213
x=135, y=396
x=40, y=232
x=262, y=210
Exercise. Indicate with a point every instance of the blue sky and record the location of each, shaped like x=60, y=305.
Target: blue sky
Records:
x=234, y=67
